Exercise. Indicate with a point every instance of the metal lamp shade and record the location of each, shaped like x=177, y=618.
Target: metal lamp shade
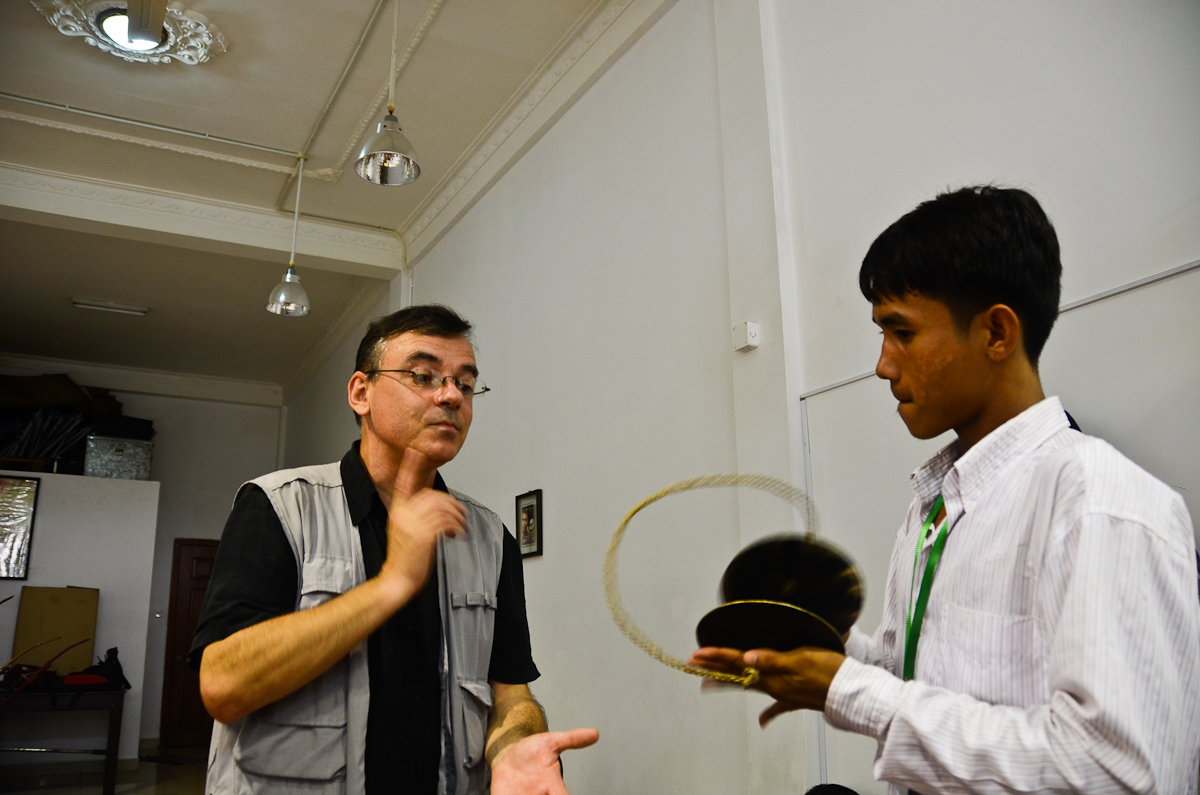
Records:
x=387, y=158
x=288, y=298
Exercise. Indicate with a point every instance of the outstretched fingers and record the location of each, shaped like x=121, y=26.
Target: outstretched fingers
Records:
x=797, y=679
x=530, y=765
x=774, y=711
x=728, y=661
x=575, y=738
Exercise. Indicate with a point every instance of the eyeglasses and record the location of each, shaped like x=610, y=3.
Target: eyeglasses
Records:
x=431, y=381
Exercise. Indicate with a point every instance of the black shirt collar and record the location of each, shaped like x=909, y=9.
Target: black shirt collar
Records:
x=361, y=494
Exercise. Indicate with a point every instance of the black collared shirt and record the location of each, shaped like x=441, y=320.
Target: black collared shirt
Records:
x=255, y=578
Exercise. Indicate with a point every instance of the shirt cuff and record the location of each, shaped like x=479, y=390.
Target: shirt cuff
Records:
x=863, y=699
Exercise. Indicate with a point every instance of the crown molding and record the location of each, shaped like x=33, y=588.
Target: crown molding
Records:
x=151, y=382
x=602, y=42
x=66, y=201
x=157, y=216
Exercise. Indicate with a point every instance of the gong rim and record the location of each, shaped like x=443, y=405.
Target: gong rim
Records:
x=765, y=624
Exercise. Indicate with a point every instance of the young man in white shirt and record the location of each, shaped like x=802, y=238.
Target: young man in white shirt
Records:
x=1049, y=580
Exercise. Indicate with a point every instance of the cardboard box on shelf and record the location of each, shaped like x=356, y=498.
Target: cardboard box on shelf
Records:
x=65, y=613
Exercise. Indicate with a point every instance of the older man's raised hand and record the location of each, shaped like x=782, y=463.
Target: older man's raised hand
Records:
x=417, y=517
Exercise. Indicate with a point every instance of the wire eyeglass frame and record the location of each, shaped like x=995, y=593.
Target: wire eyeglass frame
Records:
x=437, y=381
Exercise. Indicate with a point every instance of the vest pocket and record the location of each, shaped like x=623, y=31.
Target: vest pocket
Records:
x=472, y=628
x=322, y=578
x=300, y=736
x=477, y=704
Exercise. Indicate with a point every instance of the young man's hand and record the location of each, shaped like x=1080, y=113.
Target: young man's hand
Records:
x=797, y=679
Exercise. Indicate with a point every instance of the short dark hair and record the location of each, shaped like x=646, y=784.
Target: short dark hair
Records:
x=973, y=248
x=433, y=320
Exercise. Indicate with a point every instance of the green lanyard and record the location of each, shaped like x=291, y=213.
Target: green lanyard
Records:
x=912, y=630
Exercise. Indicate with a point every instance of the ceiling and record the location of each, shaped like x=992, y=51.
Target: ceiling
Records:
x=198, y=229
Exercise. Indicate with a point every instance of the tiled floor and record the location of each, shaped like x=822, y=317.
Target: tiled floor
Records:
x=149, y=779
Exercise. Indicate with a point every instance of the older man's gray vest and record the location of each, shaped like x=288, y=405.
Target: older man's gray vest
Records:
x=313, y=742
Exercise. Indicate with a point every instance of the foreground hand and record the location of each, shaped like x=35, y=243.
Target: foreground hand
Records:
x=417, y=517
x=530, y=765
x=797, y=679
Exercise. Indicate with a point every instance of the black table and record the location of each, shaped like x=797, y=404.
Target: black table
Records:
x=111, y=700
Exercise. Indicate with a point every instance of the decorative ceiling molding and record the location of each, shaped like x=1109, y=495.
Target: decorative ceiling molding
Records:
x=133, y=139
x=613, y=31
x=208, y=225
x=190, y=37
x=518, y=125
x=353, y=312
x=151, y=382
x=503, y=127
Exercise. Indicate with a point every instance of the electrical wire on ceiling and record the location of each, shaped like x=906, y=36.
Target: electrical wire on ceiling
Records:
x=333, y=95
x=431, y=12
x=148, y=125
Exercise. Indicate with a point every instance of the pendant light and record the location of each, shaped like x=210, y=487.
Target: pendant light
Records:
x=288, y=298
x=387, y=158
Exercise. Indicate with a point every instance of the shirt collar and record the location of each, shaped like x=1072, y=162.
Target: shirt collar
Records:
x=960, y=477
x=361, y=494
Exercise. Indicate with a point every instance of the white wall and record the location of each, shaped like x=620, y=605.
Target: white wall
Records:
x=93, y=533
x=1091, y=106
x=203, y=450
x=319, y=423
x=604, y=270
x=595, y=271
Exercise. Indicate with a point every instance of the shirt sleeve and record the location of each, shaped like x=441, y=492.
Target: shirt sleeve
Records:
x=512, y=657
x=254, y=575
x=865, y=648
x=1123, y=637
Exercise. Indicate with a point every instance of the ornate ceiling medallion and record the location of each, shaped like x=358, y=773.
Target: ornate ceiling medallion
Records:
x=188, y=37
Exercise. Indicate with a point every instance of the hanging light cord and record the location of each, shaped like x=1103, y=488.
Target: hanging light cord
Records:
x=296, y=218
x=395, y=50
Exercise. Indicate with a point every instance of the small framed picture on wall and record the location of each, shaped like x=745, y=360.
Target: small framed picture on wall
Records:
x=529, y=523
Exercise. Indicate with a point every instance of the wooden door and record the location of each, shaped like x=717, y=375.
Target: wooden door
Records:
x=184, y=721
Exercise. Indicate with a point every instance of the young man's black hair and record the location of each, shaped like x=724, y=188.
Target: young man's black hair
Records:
x=971, y=249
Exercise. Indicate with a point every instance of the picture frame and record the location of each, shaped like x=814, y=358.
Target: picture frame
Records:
x=529, y=528
x=18, y=505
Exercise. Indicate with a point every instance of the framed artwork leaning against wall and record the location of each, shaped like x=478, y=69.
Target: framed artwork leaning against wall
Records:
x=18, y=504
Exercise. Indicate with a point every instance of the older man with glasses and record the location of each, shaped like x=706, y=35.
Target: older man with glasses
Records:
x=365, y=628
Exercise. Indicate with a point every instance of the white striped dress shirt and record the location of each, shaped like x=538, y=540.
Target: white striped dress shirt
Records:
x=1061, y=645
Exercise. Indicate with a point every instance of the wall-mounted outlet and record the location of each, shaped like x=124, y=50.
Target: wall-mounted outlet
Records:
x=746, y=336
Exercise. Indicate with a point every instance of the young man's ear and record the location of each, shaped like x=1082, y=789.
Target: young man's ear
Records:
x=1003, y=331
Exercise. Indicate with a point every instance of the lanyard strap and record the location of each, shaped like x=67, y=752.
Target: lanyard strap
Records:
x=916, y=615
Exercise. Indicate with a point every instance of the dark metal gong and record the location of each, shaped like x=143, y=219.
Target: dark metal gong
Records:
x=782, y=593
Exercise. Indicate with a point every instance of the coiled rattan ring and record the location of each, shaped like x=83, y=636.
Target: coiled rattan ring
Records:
x=625, y=622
